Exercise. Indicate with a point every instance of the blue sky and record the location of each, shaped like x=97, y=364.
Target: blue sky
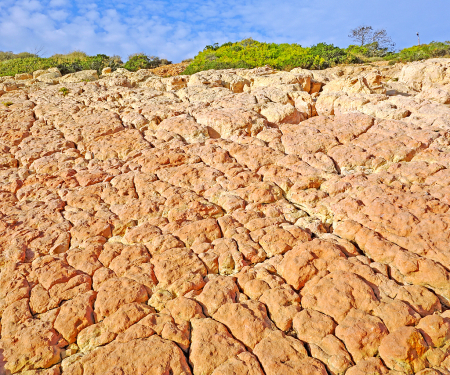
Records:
x=178, y=29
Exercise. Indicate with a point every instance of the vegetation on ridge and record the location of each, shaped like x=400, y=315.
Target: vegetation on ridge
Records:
x=70, y=63
x=142, y=61
x=248, y=53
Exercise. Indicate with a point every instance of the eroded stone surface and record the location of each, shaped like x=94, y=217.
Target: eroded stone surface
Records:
x=228, y=222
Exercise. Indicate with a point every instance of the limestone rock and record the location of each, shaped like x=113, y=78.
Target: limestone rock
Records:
x=333, y=353
x=212, y=345
x=82, y=76
x=361, y=334
x=337, y=293
x=311, y=326
x=279, y=353
x=244, y=363
x=74, y=315
x=150, y=356
x=245, y=219
x=114, y=293
x=435, y=329
x=404, y=350
x=247, y=321
x=372, y=366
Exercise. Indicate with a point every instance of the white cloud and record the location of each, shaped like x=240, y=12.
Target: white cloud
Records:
x=58, y=3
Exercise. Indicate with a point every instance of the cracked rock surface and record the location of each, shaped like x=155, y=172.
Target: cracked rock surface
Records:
x=229, y=222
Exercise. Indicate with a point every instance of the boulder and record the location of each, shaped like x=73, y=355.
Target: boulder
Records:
x=404, y=350
x=81, y=76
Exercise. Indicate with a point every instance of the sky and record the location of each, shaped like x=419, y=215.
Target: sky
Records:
x=178, y=29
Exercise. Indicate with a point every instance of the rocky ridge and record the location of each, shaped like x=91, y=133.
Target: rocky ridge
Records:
x=229, y=222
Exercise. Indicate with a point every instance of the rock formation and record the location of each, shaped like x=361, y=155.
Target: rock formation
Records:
x=229, y=222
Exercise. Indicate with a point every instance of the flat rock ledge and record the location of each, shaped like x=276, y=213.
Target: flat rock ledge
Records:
x=230, y=222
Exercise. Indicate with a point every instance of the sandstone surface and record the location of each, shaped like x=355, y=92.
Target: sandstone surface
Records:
x=244, y=221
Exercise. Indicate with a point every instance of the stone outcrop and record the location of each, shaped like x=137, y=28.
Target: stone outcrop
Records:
x=244, y=221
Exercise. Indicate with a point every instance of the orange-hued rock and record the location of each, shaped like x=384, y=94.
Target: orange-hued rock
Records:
x=28, y=343
x=301, y=263
x=281, y=354
x=247, y=321
x=74, y=315
x=404, y=350
x=361, y=334
x=396, y=314
x=212, y=345
x=116, y=292
x=173, y=264
x=147, y=356
x=435, y=330
x=217, y=292
x=244, y=221
x=184, y=309
x=244, y=363
x=312, y=326
x=370, y=366
x=337, y=293
x=282, y=305
x=332, y=352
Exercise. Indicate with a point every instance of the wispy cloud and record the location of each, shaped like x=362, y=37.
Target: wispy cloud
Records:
x=179, y=29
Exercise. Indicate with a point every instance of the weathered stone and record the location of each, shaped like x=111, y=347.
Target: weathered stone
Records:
x=114, y=293
x=404, y=350
x=337, y=293
x=148, y=215
x=247, y=321
x=212, y=345
x=312, y=326
x=361, y=334
x=333, y=353
x=148, y=356
x=218, y=292
x=75, y=315
x=281, y=354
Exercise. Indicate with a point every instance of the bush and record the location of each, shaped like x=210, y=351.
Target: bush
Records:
x=74, y=55
x=64, y=90
x=425, y=51
x=70, y=63
x=370, y=52
x=217, y=65
x=142, y=61
x=8, y=55
x=250, y=53
x=26, y=65
x=331, y=55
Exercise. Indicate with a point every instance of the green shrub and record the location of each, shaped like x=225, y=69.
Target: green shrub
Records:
x=217, y=65
x=250, y=53
x=64, y=90
x=142, y=61
x=70, y=63
x=7, y=104
x=425, y=51
x=26, y=65
x=74, y=55
x=8, y=55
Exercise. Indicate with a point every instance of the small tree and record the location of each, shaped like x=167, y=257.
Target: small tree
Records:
x=140, y=60
x=361, y=35
x=364, y=35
